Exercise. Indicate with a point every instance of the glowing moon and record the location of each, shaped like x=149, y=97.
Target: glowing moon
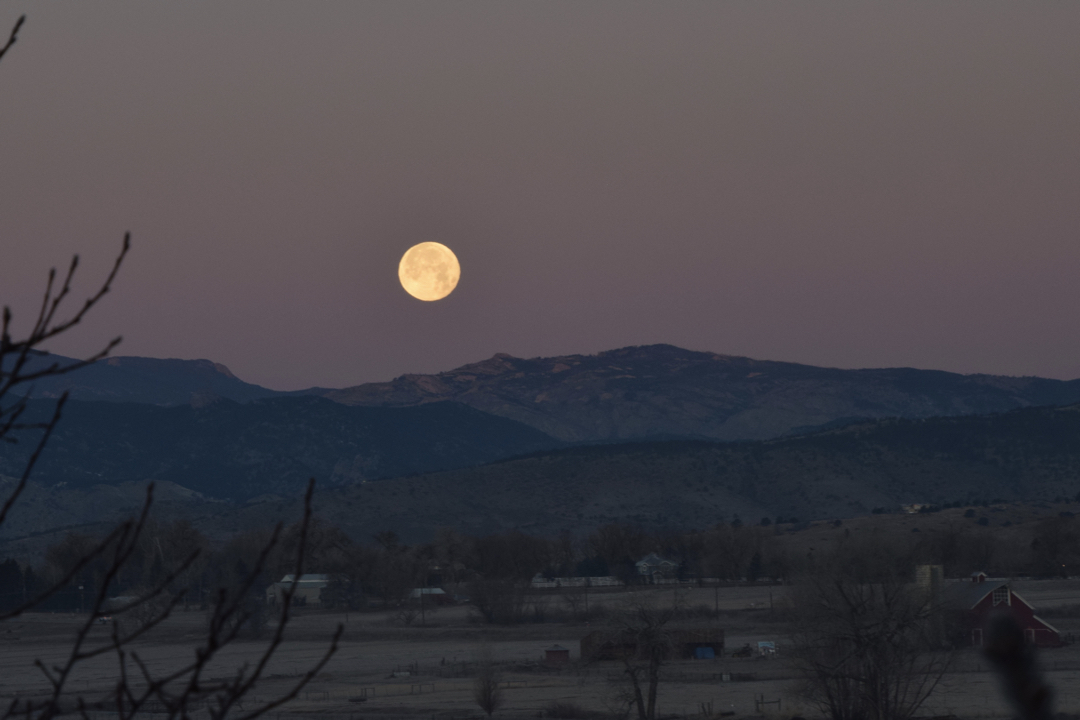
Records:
x=429, y=271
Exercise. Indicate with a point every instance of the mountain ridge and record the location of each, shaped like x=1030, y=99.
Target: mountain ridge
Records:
x=150, y=381
x=630, y=393
x=656, y=390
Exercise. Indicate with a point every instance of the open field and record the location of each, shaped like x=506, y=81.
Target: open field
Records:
x=427, y=671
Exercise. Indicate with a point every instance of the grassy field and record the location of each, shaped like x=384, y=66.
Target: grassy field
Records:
x=413, y=671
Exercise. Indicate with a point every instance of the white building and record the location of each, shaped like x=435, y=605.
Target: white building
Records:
x=308, y=589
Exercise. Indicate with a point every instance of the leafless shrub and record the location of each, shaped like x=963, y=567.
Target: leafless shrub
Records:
x=486, y=691
x=574, y=598
x=639, y=636
x=405, y=615
x=868, y=644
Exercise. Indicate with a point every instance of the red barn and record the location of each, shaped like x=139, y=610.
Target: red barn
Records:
x=980, y=598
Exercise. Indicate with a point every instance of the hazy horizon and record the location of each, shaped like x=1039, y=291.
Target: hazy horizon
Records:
x=837, y=184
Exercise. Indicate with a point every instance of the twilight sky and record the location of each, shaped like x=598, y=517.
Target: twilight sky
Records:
x=845, y=184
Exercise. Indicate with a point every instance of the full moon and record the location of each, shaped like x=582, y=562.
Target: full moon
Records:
x=429, y=271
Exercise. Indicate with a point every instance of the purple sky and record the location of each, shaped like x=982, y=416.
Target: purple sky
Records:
x=844, y=184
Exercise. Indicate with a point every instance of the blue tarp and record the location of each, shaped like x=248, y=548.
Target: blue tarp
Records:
x=704, y=653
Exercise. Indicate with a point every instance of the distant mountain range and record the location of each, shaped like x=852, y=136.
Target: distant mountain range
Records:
x=634, y=393
x=655, y=435
x=150, y=381
x=660, y=391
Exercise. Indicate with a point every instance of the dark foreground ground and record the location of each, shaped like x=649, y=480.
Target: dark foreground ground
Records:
x=411, y=671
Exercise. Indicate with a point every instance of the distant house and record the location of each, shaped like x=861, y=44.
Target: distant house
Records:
x=979, y=598
x=433, y=595
x=308, y=589
x=654, y=568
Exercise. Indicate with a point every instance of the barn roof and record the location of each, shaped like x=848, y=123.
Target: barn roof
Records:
x=968, y=594
x=1048, y=625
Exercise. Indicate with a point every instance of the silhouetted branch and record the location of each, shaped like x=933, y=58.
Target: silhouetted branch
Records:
x=220, y=697
x=47, y=327
x=179, y=689
x=21, y=485
x=867, y=647
x=15, y=373
x=14, y=35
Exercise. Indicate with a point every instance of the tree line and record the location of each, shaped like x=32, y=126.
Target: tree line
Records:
x=381, y=570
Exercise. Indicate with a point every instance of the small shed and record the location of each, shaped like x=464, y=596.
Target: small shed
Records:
x=557, y=655
x=978, y=599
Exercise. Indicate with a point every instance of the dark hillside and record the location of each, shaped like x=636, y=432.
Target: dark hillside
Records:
x=1028, y=455
x=263, y=451
x=234, y=450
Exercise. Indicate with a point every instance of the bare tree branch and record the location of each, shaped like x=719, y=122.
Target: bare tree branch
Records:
x=178, y=691
x=49, y=427
x=869, y=648
x=14, y=35
x=45, y=327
